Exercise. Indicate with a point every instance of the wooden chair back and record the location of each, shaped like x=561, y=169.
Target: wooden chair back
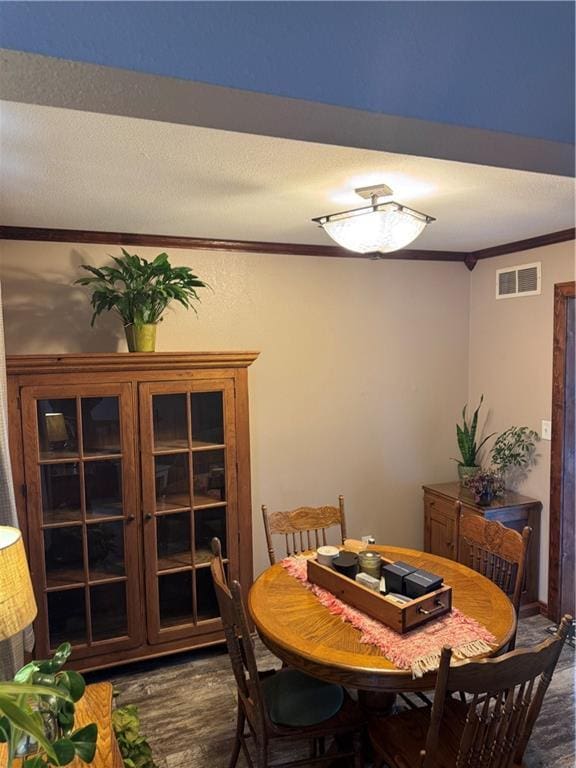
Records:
x=303, y=528
x=239, y=642
x=506, y=697
x=497, y=552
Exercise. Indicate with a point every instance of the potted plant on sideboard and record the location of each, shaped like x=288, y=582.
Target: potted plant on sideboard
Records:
x=469, y=448
x=140, y=291
x=513, y=453
x=485, y=485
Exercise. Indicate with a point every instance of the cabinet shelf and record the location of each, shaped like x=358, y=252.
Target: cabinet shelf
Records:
x=59, y=518
x=75, y=580
x=200, y=445
x=207, y=502
x=177, y=561
x=66, y=458
x=169, y=447
x=54, y=457
x=175, y=502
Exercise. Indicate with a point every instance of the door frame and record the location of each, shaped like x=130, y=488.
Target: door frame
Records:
x=561, y=518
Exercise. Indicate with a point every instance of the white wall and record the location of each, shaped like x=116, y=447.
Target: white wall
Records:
x=511, y=361
x=361, y=377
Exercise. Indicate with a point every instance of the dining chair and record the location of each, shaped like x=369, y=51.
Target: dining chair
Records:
x=303, y=528
x=285, y=705
x=497, y=552
x=490, y=730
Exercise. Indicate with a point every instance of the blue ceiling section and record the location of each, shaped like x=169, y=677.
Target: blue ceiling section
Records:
x=504, y=66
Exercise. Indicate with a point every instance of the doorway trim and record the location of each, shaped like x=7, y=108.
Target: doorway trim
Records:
x=559, y=530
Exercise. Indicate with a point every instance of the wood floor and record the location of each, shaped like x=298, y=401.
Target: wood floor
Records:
x=188, y=703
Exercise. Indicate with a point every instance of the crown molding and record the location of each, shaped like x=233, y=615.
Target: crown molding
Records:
x=561, y=236
x=470, y=259
x=211, y=244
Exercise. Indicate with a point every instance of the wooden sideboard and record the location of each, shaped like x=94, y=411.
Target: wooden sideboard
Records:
x=446, y=503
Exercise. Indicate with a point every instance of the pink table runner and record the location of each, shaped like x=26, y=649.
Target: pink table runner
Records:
x=418, y=650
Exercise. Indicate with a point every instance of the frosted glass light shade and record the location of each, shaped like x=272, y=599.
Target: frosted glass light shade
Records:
x=17, y=604
x=385, y=228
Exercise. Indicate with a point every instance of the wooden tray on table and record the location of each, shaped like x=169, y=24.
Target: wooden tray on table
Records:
x=400, y=618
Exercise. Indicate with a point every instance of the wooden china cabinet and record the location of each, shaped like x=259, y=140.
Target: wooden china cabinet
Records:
x=125, y=466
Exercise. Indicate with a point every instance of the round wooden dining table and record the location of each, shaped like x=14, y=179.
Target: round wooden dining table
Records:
x=303, y=633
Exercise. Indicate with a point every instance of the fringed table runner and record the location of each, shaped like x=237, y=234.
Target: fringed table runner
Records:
x=419, y=650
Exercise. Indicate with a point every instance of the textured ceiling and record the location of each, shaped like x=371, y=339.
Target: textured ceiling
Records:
x=78, y=170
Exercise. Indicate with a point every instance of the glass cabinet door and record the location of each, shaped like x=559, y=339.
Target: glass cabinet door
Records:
x=79, y=464
x=188, y=481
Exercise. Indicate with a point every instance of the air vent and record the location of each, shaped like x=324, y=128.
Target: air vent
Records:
x=523, y=280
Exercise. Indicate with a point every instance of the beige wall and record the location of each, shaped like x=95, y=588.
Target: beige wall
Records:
x=361, y=376
x=511, y=360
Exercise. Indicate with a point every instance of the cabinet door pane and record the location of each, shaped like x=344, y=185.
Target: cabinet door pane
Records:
x=64, y=556
x=100, y=425
x=209, y=477
x=105, y=550
x=209, y=523
x=207, y=605
x=175, y=598
x=174, y=540
x=170, y=422
x=108, y=611
x=67, y=617
x=60, y=489
x=57, y=428
x=207, y=418
x=172, y=481
x=103, y=481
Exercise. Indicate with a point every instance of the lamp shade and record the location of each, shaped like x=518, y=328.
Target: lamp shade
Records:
x=55, y=427
x=17, y=604
x=383, y=227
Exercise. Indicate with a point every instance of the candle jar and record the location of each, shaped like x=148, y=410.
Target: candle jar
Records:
x=370, y=563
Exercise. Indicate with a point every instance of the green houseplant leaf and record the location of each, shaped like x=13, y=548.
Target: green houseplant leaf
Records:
x=84, y=741
x=65, y=752
x=466, y=438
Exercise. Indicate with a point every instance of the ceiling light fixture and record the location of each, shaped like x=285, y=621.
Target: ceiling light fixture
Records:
x=383, y=227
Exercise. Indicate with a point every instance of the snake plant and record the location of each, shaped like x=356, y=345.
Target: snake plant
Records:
x=466, y=435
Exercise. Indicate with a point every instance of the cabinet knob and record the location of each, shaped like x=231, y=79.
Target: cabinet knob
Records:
x=148, y=516
x=130, y=518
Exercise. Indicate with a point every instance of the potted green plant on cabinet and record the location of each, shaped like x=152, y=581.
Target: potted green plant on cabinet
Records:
x=513, y=453
x=469, y=448
x=140, y=291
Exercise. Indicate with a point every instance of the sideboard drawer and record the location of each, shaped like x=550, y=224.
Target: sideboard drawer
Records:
x=440, y=505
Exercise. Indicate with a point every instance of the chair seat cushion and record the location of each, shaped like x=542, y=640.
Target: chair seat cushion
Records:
x=298, y=700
